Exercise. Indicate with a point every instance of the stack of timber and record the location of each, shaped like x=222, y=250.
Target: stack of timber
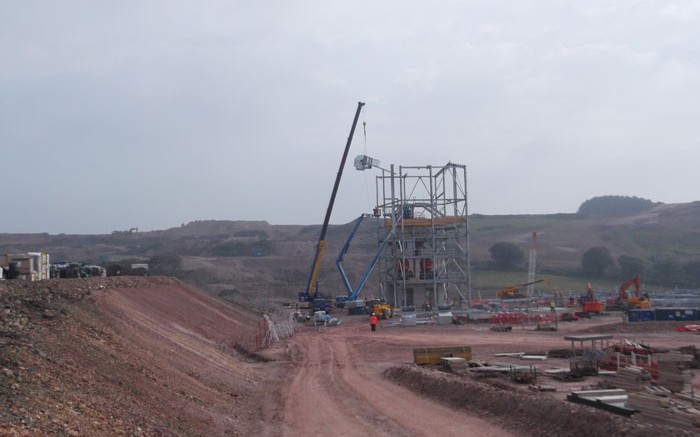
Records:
x=674, y=371
x=631, y=378
x=664, y=411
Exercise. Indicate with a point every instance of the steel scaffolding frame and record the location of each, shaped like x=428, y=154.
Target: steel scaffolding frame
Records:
x=426, y=262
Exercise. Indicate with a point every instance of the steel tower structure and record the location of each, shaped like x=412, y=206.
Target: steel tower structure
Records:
x=426, y=263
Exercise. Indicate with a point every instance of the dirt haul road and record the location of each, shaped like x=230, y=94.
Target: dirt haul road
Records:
x=350, y=381
x=336, y=390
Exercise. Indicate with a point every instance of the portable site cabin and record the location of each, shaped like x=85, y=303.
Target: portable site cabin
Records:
x=31, y=266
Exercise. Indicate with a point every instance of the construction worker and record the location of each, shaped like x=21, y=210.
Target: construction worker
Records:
x=373, y=322
x=553, y=306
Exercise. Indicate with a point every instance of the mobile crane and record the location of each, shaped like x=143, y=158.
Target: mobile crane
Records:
x=311, y=293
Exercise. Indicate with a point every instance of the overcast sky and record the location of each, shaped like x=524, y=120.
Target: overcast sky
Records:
x=152, y=114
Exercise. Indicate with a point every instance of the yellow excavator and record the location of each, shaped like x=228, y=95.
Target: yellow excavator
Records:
x=513, y=292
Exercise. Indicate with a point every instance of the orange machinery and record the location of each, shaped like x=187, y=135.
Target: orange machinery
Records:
x=591, y=304
x=635, y=300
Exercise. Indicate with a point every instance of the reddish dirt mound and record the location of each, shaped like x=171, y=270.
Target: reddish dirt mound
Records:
x=125, y=356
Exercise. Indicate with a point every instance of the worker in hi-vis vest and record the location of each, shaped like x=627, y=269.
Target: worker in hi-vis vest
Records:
x=373, y=322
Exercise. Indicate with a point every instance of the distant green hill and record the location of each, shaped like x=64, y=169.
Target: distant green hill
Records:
x=237, y=257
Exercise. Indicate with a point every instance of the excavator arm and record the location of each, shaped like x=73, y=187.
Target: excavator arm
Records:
x=512, y=292
x=627, y=284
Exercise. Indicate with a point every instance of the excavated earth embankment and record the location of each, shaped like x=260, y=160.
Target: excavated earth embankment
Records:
x=125, y=356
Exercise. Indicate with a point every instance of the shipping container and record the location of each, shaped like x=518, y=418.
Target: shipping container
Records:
x=677, y=314
x=641, y=315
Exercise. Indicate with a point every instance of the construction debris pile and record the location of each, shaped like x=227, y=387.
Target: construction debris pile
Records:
x=631, y=378
x=635, y=369
x=656, y=406
x=674, y=371
x=526, y=413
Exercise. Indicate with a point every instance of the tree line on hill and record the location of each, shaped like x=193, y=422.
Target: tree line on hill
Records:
x=615, y=205
x=598, y=262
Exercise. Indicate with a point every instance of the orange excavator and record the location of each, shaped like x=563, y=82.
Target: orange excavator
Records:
x=591, y=304
x=635, y=300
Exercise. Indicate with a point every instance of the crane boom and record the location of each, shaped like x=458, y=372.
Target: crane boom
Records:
x=353, y=293
x=514, y=291
x=320, y=247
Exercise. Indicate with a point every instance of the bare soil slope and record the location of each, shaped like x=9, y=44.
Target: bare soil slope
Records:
x=125, y=356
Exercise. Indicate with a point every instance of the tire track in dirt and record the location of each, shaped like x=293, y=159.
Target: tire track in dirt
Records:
x=335, y=389
x=310, y=408
x=338, y=364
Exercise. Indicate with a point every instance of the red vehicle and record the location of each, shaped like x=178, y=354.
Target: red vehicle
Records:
x=568, y=317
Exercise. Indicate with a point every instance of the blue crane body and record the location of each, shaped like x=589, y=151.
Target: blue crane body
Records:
x=352, y=293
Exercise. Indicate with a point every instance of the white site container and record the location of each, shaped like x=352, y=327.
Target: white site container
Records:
x=409, y=319
x=40, y=266
x=445, y=318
